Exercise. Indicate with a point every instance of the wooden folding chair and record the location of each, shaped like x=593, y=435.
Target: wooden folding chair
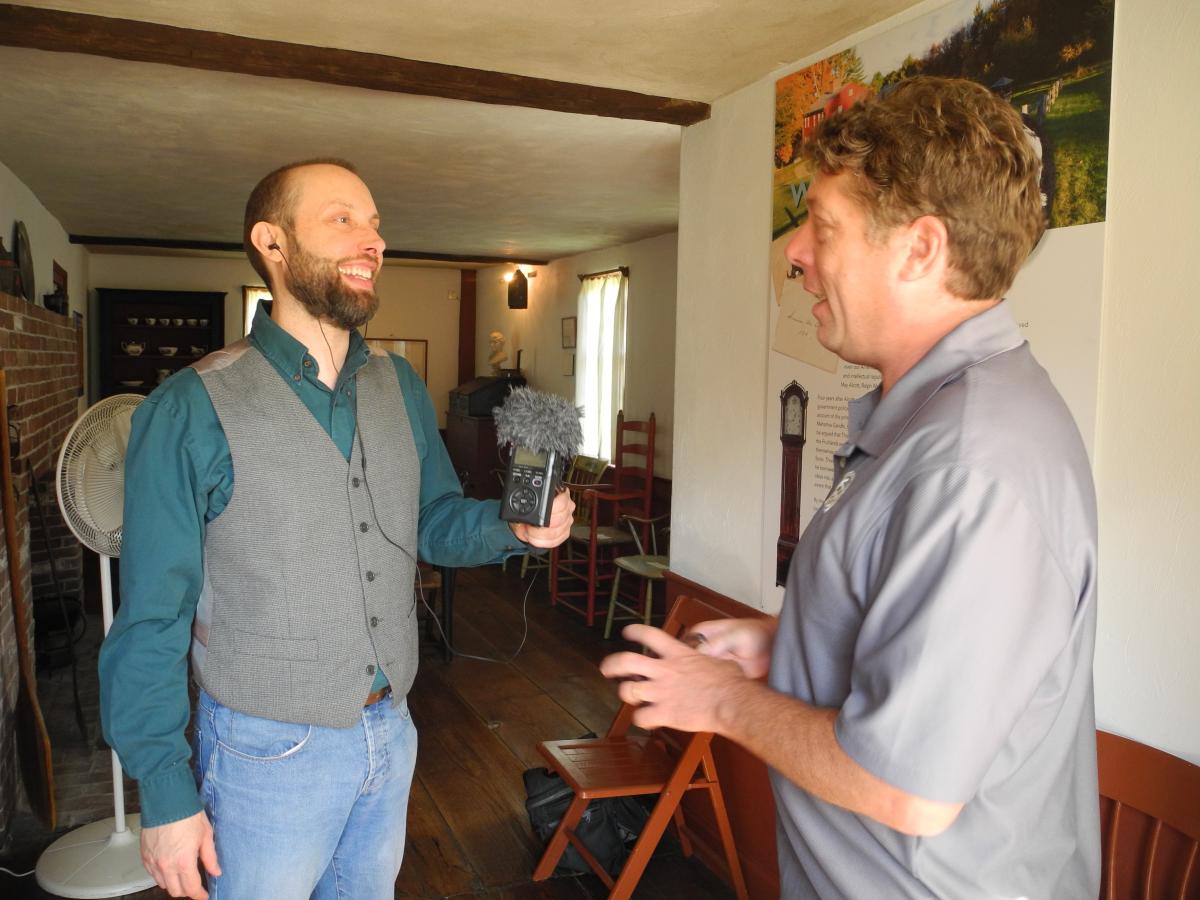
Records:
x=1150, y=822
x=624, y=765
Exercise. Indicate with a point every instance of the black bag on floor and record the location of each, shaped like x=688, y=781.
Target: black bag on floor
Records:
x=609, y=828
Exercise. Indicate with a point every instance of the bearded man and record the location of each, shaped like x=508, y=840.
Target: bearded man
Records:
x=257, y=541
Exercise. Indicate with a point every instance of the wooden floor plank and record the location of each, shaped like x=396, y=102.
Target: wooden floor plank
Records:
x=434, y=862
x=561, y=656
x=515, y=709
x=475, y=782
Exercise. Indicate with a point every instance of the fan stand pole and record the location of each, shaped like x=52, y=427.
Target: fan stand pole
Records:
x=117, y=775
x=102, y=859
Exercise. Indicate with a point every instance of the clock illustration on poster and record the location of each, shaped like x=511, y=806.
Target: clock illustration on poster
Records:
x=793, y=420
x=24, y=259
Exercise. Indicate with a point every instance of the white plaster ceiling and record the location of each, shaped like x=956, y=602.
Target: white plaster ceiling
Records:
x=145, y=150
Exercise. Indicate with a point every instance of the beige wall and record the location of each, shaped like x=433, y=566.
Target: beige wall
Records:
x=413, y=302
x=416, y=303
x=1146, y=424
x=46, y=237
x=554, y=293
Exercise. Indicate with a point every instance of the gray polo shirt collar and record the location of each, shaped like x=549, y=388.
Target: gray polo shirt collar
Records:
x=875, y=424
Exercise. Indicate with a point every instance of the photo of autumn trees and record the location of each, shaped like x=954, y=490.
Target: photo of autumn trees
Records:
x=1052, y=59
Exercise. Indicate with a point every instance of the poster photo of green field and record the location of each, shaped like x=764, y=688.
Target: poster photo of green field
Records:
x=1052, y=59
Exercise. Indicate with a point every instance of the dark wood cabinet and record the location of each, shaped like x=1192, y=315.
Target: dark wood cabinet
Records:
x=471, y=442
x=146, y=336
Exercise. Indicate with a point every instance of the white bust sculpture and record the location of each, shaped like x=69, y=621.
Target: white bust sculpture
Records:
x=498, y=357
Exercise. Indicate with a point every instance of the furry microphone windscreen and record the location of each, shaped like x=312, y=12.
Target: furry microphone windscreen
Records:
x=540, y=422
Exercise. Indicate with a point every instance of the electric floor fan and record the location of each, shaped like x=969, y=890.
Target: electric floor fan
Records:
x=102, y=859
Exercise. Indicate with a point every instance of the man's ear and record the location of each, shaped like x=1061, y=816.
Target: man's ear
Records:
x=267, y=239
x=928, y=249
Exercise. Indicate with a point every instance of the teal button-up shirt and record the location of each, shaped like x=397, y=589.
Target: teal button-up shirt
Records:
x=179, y=477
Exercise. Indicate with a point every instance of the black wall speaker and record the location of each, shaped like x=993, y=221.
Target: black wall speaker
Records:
x=518, y=291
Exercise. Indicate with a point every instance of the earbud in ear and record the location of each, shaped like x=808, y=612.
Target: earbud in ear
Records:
x=272, y=246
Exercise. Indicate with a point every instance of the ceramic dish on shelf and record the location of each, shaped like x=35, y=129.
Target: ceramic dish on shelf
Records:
x=168, y=351
x=132, y=383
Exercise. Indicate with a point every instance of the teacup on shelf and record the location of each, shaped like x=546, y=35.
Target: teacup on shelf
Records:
x=150, y=320
x=163, y=375
x=133, y=348
x=132, y=320
x=192, y=323
x=177, y=322
x=168, y=351
x=204, y=323
x=198, y=351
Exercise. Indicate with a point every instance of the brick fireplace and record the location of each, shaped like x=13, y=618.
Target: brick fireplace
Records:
x=41, y=353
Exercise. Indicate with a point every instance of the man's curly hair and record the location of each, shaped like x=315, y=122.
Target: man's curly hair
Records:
x=950, y=148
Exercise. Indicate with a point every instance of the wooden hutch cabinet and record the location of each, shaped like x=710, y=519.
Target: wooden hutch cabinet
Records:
x=146, y=336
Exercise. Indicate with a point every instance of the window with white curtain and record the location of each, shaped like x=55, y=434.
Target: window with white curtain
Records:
x=600, y=359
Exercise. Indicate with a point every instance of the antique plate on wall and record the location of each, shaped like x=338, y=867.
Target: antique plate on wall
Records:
x=24, y=258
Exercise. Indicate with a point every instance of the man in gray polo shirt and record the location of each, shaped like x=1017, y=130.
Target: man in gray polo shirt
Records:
x=928, y=714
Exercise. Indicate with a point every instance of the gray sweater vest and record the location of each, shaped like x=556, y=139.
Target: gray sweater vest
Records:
x=303, y=592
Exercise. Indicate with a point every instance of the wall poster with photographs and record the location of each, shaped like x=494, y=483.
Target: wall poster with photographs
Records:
x=1053, y=62
x=415, y=350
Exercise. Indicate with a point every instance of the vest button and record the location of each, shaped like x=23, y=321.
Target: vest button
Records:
x=371, y=669
x=374, y=621
x=363, y=526
x=296, y=377
x=308, y=364
x=355, y=482
x=370, y=576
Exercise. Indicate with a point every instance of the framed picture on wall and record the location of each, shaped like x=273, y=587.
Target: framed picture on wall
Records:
x=415, y=350
x=251, y=297
x=568, y=332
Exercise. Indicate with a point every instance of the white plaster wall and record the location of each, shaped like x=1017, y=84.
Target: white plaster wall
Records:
x=46, y=236
x=416, y=303
x=413, y=302
x=554, y=294
x=1147, y=668
x=721, y=344
x=1147, y=665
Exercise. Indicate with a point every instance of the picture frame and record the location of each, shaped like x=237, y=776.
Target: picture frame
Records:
x=568, y=332
x=568, y=365
x=251, y=296
x=415, y=350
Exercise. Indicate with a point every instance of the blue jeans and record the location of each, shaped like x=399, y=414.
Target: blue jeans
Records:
x=304, y=811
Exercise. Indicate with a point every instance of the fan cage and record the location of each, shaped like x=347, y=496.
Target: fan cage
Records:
x=91, y=461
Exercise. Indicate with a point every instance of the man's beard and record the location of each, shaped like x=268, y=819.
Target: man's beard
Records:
x=316, y=283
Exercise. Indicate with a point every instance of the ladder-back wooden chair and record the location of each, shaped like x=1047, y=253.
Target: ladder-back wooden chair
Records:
x=649, y=567
x=621, y=764
x=578, y=569
x=585, y=472
x=1149, y=822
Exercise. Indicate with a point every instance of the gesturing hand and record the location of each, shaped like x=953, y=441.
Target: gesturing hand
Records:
x=169, y=853
x=681, y=688
x=747, y=642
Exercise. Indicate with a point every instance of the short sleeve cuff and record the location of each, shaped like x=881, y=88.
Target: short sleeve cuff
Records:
x=169, y=796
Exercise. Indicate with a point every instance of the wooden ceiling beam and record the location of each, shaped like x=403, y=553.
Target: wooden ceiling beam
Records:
x=99, y=240
x=67, y=32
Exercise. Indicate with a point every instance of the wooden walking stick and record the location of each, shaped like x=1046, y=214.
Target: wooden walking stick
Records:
x=33, y=741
